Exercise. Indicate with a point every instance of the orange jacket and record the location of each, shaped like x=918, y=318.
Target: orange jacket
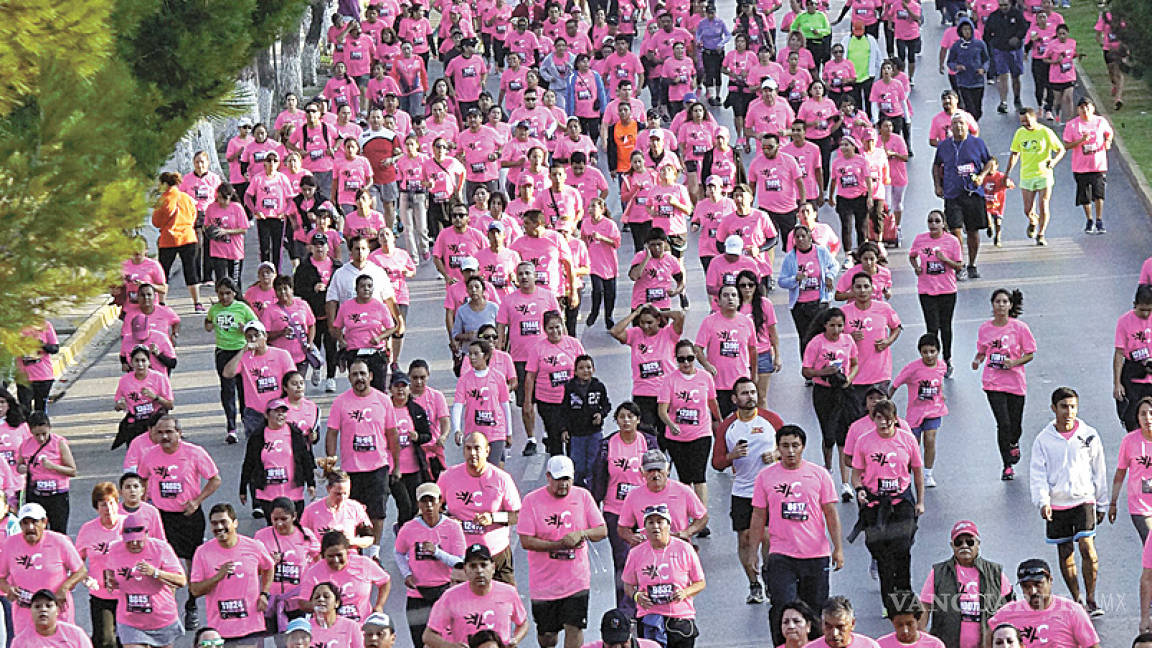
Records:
x=175, y=217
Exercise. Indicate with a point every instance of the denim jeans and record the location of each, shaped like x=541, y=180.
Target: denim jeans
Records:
x=583, y=451
x=787, y=579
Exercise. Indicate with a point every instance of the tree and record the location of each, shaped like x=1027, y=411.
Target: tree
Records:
x=95, y=96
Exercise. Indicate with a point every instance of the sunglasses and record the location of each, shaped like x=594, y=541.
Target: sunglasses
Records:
x=460, y=215
x=443, y=146
x=690, y=358
x=491, y=338
x=312, y=110
x=964, y=542
x=745, y=284
x=211, y=643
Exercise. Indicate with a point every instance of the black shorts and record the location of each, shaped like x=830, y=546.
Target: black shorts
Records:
x=1062, y=86
x=1113, y=56
x=371, y=489
x=1090, y=186
x=1072, y=524
x=968, y=211
x=908, y=48
x=741, y=513
x=552, y=616
x=691, y=458
x=185, y=532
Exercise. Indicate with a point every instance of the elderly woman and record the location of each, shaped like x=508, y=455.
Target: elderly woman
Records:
x=175, y=217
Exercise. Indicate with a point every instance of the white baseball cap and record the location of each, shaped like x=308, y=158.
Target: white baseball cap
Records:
x=560, y=467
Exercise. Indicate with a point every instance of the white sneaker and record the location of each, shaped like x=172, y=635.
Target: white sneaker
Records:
x=846, y=493
x=330, y=385
x=929, y=480
x=874, y=570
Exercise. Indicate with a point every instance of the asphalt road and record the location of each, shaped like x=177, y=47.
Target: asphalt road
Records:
x=1074, y=290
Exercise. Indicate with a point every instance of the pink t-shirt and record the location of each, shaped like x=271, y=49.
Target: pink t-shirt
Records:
x=467, y=76
x=10, y=441
x=67, y=635
x=624, y=474
x=262, y=376
x=483, y=398
x=143, y=602
x=822, y=352
x=722, y=272
x=763, y=339
x=660, y=572
x=968, y=584
x=696, y=139
x=523, y=314
x=434, y=403
x=601, y=255
x=460, y=613
x=664, y=215
x=259, y=298
x=875, y=323
x=589, y=184
x=148, y=270
x=498, y=269
x=41, y=480
x=1136, y=458
x=657, y=280
x=887, y=462
x=709, y=214
x=28, y=568
x=1092, y=155
x=794, y=503
x=651, y=359
x=687, y=397
x=775, y=181
x=925, y=393
x=725, y=341
x=320, y=518
x=354, y=581
x=683, y=505
x=547, y=253
x=889, y=97
x=808, y=159
x=925, y=640
x=1062, y=56
x=361, y=322
x=936, y=277
x=850, y=175
x=363, y=422
x=296, y=552
x=755, y=228
x=93, y=542
x=1064, y=623
x=554, y=365
x=151, y=518
x=478, y=147
x=130, y=389
x=279, y=468
x=41, y=367
x=1134, y=339
x=1000, y=343
x=428, y=570
x=295, y=317
x=466, y=496
x=174, y=479
x=365, y=225
x=345, y=633
x=452, y=247
x=351, y=176
x=897, y=168
x=230, y=217
x=558, y=574
x=941, y=127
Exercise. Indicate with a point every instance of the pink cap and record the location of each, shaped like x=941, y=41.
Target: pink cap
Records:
x=134, y=528
x=965, y=527
x=140, y=327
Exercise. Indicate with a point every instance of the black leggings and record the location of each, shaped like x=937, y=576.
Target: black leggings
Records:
x=552, y=414
x=832, y=407
x=591, y=128
x=229, y=388
x=188, y=262
x=603, y=290
x=827, y=144
x=937, y=311
x=1008, y=410
x=33, y=397
x=803, y=313
x=712, y=62
x=639, y=234
x=650, y=415
x=1040, y=78
x=219, y=268
x=972, y=100
x=271, y=231
x=57, y=506
x=325, y=338
x=102, y=612
x=890, y=544
x=853, y=214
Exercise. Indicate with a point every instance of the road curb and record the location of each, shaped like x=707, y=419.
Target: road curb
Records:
x=1127, y=163
x=79, y=341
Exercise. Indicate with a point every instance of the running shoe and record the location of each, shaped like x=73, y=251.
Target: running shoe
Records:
x=1031, y=228
x=1002, y=108
x=929, y=481
x=200, y=308
x=330, y=386
x=316, y=378
x=996, y=238
x=1040, y=240
x=846, y=493
x=1100, y=227
x=231, y=437
x=1008, y=474
x=874, y=571
x=962, y=274
x=529, y=448
x=948, y=372
x=1094, y=610
x=704, y=533
x=191, y=619
x=1088, y=226
x=973, y=273
x=755, y=594
x=257, y=513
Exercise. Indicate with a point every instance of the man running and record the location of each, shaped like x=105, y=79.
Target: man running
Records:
x=1038, y=150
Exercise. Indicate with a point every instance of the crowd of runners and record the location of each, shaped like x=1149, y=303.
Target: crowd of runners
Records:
x=511, y=147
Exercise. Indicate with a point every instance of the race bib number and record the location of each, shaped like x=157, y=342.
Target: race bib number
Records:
x=142, y=410
x=966, y=169
x=558, y=378
x=969, y=610
x=934, y=268
x=700, y=149
x=315, y=155
x=888, y=486
x=276, y=475
x=655, y=294
x=477, y=167
x=661, y=593
x=886, y=106
x=1146, y=485
x=515, y=86
x=622, y=490
x=232, y=609
x=530, y=327
x=23, y=597
x=268, y=203
x=403, y=439
x=201, y=193
x=836, y=83
x=1065, y=66
x=928, y=392
x=583, y=95
x=563, y=554
x=849, y=180
x=484, y=418
x=265, y=384
x=356, y=56
x=138, y=603
x=687, y=416
x=1139, y=355
x=772, y=184
x=471, y=528
x=348, y=612
x=468, y=72
x=541, y=277
x=730, y=348
x=421, y=554
x=455, y=260
x=363, y=443
x=997, y=360
x=171, y=490
x=810, y=283
x=45, y=486
x=1089, y=149
x=352, y=185
x=287, y=573
x=652, y=369
x=796, y=511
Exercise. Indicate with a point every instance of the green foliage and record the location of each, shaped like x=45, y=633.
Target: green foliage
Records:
x=1137, y=30
x=93, y=98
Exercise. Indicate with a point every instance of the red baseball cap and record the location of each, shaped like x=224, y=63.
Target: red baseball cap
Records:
x=965, y=527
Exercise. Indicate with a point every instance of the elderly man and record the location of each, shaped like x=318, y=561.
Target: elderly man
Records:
x=688, y=514
x=958, y=171
x=963, y=592
x=838, y=624
x=37, y=559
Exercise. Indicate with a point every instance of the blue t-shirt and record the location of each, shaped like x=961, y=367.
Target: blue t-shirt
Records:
x=958, y=162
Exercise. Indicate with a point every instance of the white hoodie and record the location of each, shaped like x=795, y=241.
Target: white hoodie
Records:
x=1068, y=472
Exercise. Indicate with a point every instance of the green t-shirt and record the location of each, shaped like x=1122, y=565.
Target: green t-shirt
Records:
x=812, y=26
x=228, y=324
x=1035, y=146
x=859, y=51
